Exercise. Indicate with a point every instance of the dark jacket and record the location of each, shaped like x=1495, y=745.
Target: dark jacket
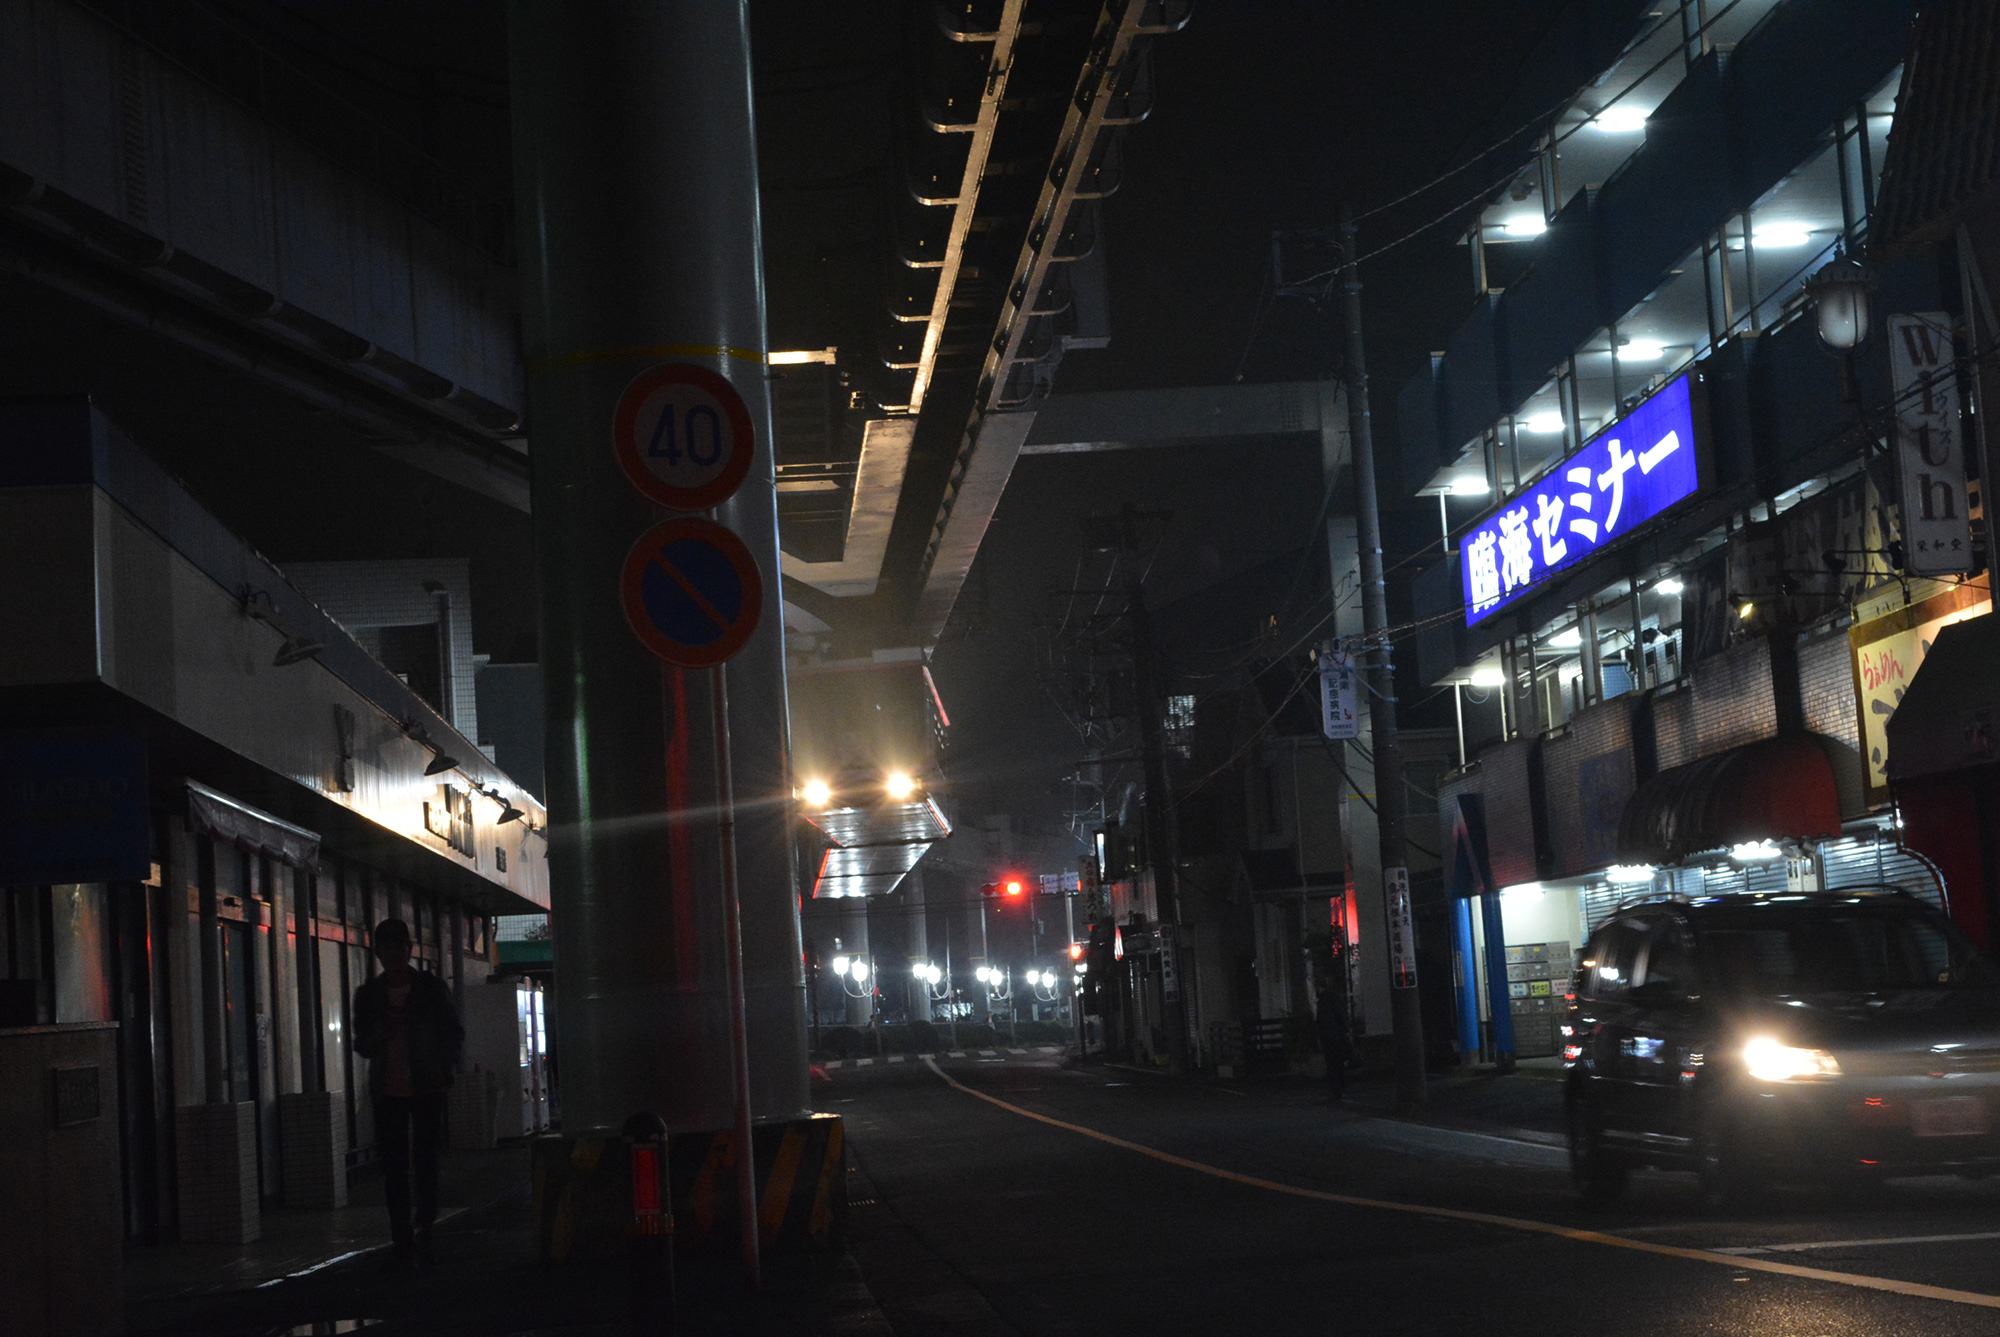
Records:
x=434, y=1037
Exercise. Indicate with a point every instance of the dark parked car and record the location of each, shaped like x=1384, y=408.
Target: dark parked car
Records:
x=1836, y=1035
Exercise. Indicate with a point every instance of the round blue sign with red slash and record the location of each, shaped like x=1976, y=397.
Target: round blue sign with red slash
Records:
x=692, y=592
x=683, y=436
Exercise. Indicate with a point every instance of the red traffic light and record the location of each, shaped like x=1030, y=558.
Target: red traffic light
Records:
x=1013, y=886
x=1076, y=951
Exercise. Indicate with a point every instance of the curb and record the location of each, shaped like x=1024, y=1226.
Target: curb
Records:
x=849, y=1306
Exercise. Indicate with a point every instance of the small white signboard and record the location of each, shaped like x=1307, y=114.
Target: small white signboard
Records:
x=1339, y=692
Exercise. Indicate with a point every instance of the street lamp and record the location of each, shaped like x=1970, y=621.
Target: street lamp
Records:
x=1839, y=292
x=853, y=968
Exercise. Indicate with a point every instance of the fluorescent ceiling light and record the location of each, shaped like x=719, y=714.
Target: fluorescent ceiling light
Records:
x=1569, y=638
x=1628, y=874
x=1542, y=424
x=1488, y=677
x=1641, y=351
x=795, y=357
x=1754, y=851
x=1622, y=119
x=1526, y=891
x=1526, y=225
x=1469, y=485
x=1669, y=586
x=1781, y=236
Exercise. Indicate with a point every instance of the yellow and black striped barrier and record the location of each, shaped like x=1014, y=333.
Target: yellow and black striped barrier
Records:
x=583, y=1189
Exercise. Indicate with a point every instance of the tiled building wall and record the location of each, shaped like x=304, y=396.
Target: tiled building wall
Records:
x=1826, y=687
x=1673, y=729
x=1588, y=775
x=1732, y=698
x=313, y=1136
x=1510, y=818
x=217, y=1173
x=367, y=596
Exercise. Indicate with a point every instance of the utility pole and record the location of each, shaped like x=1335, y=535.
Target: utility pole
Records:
x=1405, y=1016
x=1161, y=846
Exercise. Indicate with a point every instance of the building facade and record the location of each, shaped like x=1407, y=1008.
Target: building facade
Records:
x=1689, y=545
x=209, y=793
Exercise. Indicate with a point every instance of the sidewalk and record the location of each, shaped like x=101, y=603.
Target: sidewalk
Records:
x=314, y=1272
x=1526, y=1103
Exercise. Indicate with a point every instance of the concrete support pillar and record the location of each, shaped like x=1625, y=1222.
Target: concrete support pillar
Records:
x=217, y=1163
x=286, y=919
x=858, y=945
x=636, y=175
x=918, y=932
x=312, y=1128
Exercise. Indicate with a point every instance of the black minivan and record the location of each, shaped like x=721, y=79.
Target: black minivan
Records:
x=1849, y=1035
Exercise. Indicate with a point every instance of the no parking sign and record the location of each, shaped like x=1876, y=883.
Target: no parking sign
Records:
x=692, y=592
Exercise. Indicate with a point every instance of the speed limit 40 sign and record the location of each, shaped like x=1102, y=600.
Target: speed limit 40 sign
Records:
x=683, y=436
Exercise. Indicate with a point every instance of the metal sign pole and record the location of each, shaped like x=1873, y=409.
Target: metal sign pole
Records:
x=739, y=1028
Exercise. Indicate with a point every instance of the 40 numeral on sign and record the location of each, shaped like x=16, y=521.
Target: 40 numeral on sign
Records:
x=683, y=437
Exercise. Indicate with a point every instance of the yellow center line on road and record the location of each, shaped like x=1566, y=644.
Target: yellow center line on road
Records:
x=1735, y=1262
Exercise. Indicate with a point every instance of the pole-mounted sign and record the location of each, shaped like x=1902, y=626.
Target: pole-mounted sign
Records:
x=692, y=592
x=683, y=436
x=1339, y=692
x=1402, y=928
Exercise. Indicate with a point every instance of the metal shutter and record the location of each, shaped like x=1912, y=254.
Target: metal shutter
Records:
x=1877, y=861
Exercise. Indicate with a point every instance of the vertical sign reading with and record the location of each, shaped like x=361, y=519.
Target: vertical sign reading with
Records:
x=1339, y=693
x=1930, y=450
x=1402, y=930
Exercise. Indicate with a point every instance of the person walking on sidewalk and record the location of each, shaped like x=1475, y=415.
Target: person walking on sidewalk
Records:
x=408, y=1030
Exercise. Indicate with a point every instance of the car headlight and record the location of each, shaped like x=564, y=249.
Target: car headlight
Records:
x=1769, y=1061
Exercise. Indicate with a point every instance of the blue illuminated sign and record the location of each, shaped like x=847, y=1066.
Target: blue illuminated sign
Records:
x=1637, y=468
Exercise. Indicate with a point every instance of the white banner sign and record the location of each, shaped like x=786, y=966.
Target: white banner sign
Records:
x=1930, y=451
x=1402, y=929
x=1339, y=692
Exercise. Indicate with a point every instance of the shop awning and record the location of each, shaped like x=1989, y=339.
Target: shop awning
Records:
x=247, y=828
x=1945, y=719
x=1779, y=788
x=1468, y=870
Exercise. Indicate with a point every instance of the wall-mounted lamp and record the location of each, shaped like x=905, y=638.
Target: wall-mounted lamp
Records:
x=508, y=812
x=441, y=761
x=295, y=649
